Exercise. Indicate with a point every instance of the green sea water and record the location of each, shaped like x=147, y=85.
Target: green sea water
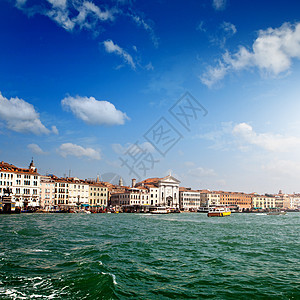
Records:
x=140, y=256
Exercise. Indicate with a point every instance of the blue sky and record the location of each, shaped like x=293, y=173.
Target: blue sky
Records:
x=82, y=82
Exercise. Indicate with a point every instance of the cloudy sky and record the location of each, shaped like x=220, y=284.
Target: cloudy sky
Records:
x=207, y=90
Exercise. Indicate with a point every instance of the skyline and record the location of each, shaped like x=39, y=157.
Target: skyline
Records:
x=81, y=81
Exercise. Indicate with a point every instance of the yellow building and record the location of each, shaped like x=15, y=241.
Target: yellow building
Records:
x=98, y=195
x=263, y=202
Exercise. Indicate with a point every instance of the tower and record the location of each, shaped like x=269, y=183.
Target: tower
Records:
x=32, y=167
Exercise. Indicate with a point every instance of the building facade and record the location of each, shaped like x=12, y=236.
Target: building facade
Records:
x=209, y=198
x=263, y=202
x=241, y=200
x=98, y=195
x=61, y=193
x=23, y=183
x=78, y=192
x=47, y=194
x=189, y=199
x=164, y=191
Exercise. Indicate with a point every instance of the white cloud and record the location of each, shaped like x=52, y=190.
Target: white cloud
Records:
x=283, y=168
x=94, y=112
x=141, y=22
x=201, y=27
x=111, y=47
x=20, y=116
x=229, y=28
x=20, y=3
x=87, y=14
x=54, y=129
x=272, y=53
x=201, y=172
x=222, y=33
x=36, y=149
x=219, y=4
x=267, y=141
x=149, y=67
x=214, y=75
x=84, y=14
x=78, y=151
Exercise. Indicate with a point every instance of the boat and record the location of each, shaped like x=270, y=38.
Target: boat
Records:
x=219, y=212
x=276, y=213
x=160, y=210
x=203, y=210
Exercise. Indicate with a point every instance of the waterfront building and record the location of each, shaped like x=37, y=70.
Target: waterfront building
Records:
x=78, y=192
x=209, y=198
x=24, y=184
x=166, y=188
x=282, y=201
x=47, y=193
x=151, y=185
x=241, y=200
x=189, y=199
x=294, y=201
x=98, y=195
x=263, y=202
x=134, y=197
x=61, y=192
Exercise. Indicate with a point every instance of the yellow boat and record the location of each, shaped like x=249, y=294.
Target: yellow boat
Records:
x=219, y=212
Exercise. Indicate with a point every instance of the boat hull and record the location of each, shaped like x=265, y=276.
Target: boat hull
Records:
x=219, y=214
x=159, y=212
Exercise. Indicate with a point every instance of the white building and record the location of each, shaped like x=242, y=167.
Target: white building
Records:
x=23, y=183
x=164, y=191
x=263, y=202
x=295, y=201
x=189, y=199
x=61, y=193
x=78, y=192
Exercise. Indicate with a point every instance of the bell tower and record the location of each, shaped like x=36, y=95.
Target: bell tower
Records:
x=32, y=167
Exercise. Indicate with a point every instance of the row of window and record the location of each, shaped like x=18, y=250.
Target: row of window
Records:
x=98, y=189
x=4, y=175
x=97, y=201
x=6, y=183
x=61, y=184
x=98, y=194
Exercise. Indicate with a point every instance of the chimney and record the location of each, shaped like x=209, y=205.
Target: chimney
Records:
x=133, y=182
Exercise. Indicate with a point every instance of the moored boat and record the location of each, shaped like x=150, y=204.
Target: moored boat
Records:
x=160, y=210
x=219, y=212
x=273, y=213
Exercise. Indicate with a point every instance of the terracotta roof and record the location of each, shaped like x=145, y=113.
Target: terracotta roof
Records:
x=184, y=189
x=6, y=167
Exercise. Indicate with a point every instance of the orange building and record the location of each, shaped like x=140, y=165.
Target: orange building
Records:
x=242, y=200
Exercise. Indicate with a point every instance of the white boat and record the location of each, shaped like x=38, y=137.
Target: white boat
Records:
x=160, y=210
x=219, y=212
